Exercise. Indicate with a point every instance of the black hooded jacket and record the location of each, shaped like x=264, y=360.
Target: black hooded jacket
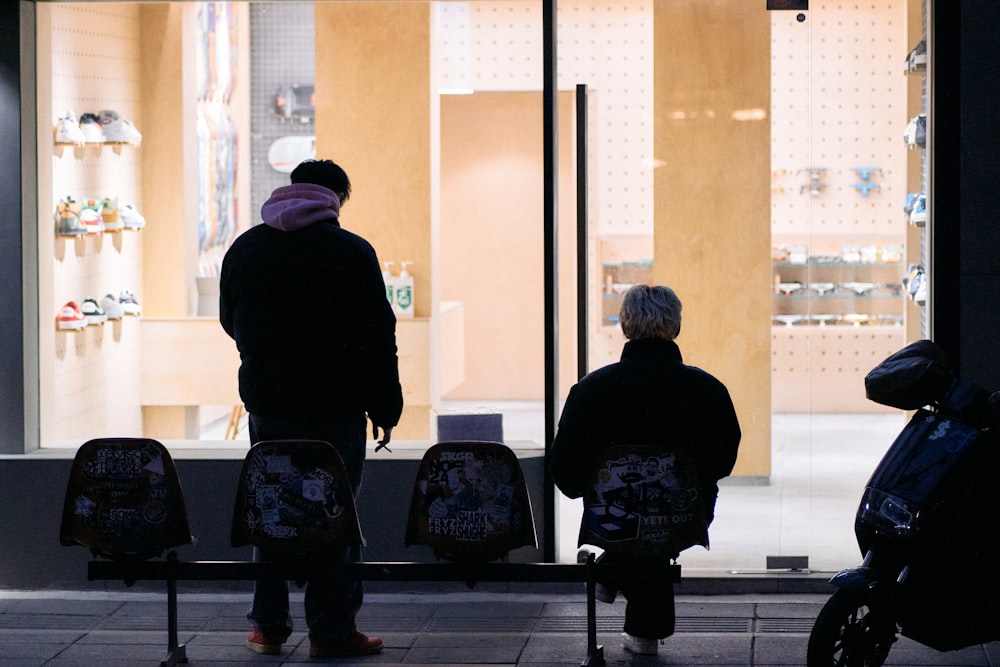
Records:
x=305, y=303
x=650, y=397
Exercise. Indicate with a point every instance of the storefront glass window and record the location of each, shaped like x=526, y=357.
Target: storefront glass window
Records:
x=752, y=160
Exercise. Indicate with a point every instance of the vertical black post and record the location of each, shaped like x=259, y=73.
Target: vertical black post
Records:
x=945, y=159
x=176, y=652
x=582, y=268
x=550, y=111
x=17, y=133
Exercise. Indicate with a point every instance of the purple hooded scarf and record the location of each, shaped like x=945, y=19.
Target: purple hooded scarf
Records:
x=299, y=205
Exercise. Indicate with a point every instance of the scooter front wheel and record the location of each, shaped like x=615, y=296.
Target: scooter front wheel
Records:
x=849, y=632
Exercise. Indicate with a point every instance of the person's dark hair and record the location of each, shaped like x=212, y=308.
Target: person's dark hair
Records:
x=327, y=173
x=650, y=312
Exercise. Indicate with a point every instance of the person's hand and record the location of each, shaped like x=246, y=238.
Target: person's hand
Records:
x=386, y=436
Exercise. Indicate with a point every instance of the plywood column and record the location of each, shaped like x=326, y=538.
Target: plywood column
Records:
x=712, y=225
x=169, y=172
x=373, y=117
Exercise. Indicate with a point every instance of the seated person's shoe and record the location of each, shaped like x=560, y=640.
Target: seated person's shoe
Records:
x=257, y=643
x=355, y=644
x=639, y=645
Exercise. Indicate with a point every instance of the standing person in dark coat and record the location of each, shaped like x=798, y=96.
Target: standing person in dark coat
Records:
x=650, y=397
x=305, y=302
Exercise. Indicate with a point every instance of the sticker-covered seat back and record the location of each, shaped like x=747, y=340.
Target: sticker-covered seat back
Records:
x=123, y=500
x=295, y=495
x=645, y=502
x=470, y=502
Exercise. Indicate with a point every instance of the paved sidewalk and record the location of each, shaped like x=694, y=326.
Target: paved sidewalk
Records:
x=110, y=629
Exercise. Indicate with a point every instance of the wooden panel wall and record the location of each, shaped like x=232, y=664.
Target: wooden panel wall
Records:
x=491, y=240
x=374, y=118
x=712, y=198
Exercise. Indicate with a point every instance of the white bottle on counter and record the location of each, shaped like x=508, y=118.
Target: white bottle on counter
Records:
x=404, y=292
x=390, y=284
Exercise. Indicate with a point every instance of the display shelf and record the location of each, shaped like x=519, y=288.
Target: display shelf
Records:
x=825, y=291
x=617, y=278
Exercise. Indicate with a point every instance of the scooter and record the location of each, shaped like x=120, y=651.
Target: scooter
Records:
x=925, y=522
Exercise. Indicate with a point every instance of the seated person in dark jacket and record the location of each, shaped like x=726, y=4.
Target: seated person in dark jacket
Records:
x=650, y=397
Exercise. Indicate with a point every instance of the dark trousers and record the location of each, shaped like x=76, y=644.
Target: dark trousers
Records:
x=331, y=602
x=649, y=608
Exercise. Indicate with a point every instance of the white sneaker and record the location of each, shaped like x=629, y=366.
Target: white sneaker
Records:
x=68, y=130
x=130, y=305
x=639, y=645
x=130, y=217
x=110, y=305
x=93, y=132
x=118, y=130
x=92, y=220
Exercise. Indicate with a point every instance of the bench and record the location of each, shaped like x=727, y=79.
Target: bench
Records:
x=470, y=506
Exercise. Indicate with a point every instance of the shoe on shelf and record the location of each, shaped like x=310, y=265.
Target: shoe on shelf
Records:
x=93, y=311
x=68, y=130
x=90, y=125
x=258, y=643
x=355, y=645
x=916, y=61
x=639, y=645
x=91, y=219
x=918, y=215
x=129, y=303
x=68, y=222
x=117, y=130
x=131, y=218
x=113, y=309
x=109, y=214
x=70, y=318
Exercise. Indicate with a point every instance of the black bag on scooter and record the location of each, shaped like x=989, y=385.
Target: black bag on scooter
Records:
x=911, y=378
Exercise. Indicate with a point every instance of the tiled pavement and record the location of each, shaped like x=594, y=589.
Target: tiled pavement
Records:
x=96, y=628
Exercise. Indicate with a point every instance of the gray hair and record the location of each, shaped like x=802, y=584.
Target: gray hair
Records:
x=650, y=312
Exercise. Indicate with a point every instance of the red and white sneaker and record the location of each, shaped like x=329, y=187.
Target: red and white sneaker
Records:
x=70, y=318
x=258, y=643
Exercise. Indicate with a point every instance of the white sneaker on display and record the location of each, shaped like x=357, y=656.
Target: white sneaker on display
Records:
x=110, y=305
x=93, y=132
x=130, y=305
x=118, y=130
x=130, y=217
x=68, y=130
x=639, y=645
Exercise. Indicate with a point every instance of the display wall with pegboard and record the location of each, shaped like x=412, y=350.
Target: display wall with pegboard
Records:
x=822, y=369
x=282, y=61
x=839, y=181
x=89, y=376
x=607, y=46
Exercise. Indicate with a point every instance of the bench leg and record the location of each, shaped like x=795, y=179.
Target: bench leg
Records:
x=176, y=653
x=595, y=652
